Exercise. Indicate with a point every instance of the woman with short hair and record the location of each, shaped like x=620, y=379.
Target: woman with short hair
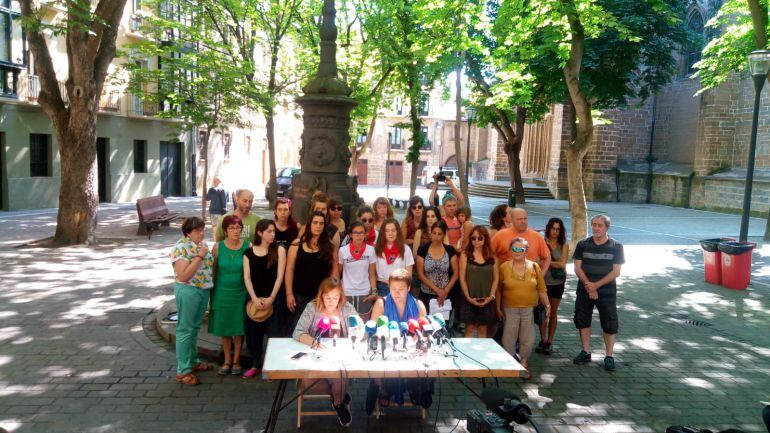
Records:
x=382, y=211
x=193, y=279
x=226, y=315
x=522, y=288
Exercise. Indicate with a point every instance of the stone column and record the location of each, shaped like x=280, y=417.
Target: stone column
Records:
x=325, y=153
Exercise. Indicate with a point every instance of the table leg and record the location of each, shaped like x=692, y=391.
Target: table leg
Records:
x=272, y=419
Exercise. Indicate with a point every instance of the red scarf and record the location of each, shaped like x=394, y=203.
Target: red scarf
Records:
x=391, y=254
x=360, y=250
x=371, y=237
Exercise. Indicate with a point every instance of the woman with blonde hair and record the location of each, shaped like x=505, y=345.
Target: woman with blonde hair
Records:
x=330, y=302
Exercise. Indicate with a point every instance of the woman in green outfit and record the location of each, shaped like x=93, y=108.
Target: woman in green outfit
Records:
x=226, y=317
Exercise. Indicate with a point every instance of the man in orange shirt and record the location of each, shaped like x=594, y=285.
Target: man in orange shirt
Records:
x=538, y=250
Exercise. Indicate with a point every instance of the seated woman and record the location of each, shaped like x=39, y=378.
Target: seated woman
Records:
x=329, y=302
x=401, y=306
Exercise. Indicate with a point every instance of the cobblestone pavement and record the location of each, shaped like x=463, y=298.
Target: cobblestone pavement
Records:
x=77, y=353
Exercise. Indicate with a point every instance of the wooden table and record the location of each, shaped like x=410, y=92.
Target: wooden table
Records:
x=460, y=358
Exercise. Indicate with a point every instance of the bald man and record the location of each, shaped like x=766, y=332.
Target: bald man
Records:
x=244, y=200
x=538, y=250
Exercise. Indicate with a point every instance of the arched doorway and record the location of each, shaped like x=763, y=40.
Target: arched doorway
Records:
x=451, y=162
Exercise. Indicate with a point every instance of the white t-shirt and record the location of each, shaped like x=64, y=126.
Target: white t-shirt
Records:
x=384, y=269
x=355, y=273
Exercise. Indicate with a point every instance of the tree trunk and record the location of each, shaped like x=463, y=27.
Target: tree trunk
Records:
x=584, y=127
x=357, y=152
x=205, y=157
x=270, y=129
x=458, y=133
x=512, y=148
x=78, y=197
x=413, y=155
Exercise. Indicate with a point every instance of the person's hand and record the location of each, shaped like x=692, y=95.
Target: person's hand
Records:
x=593, y=295
x=372, y=297
x=448, y=181
x=487, y=300
x=591, y=286
x=317, y=346
x=255, y=301
x=500, y=314
x=202, y=249
x=268, y=301
x=291, y=304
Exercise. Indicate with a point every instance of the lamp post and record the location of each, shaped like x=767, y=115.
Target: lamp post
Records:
x=469, y=112
x=759, y=65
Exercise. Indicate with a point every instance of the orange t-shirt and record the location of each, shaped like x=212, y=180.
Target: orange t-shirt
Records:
x=501, y=245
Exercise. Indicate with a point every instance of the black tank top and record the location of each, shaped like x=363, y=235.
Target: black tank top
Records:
x=309, y=270
x=262, y=277
x=286, y=237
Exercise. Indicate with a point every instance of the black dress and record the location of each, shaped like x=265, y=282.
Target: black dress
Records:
x=262, y=280
x=309, y=270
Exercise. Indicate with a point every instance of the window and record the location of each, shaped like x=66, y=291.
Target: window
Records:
x=395, y=138
x=13, y=48
x=226, y=140
x=424, y=104
x=140, y=156
x=692, y=50
x=247, y=145
x=398, y=105
x=39, y=155
x=427, y=144
x=361, y=139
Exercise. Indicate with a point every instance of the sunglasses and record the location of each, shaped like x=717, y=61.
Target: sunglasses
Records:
x=417, y=207
x=477, y=238
x=336, y=208
x=367, y=220
x=518, y=249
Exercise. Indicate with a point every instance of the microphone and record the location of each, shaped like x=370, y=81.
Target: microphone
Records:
x=506, y=404
x=354, y=326
x=439, y=319
x=404, y=328
x=371, y=329
x=394, y=332
x=427, y=329
x=335, y=328
x=439, y=332
x=414, y=329
x=323, y=325
x=382, y=333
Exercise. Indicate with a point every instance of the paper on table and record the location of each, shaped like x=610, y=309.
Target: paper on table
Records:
x=445, y=310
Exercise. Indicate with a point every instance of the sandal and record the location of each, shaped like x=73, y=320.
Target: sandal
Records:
x=187, y=379
x=202, y=367
x=236, y=370
x=526, y=375
x=224, y=370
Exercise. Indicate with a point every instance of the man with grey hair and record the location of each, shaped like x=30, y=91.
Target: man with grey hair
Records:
x=597, y=264
x=244, y=200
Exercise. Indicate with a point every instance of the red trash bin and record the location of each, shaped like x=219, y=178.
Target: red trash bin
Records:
x=736, y=264
x=712, y=259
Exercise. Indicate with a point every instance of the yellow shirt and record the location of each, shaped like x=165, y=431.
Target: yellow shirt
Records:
x=520, y=291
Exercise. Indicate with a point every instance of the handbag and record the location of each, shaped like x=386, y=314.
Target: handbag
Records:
x=539, y=312
x=558, y=273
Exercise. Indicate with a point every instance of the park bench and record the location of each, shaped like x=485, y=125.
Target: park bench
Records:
x=153, y=213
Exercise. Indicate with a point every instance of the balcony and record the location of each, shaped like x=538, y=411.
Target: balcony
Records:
x=29, y=89
x=110, y=101
x=138, y=107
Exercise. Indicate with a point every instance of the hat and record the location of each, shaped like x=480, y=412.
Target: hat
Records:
x=258, y=315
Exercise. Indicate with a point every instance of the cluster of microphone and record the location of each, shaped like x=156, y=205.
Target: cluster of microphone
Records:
x=377, y=334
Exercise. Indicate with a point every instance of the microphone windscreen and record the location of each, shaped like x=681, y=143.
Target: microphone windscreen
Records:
x=438, y=318
x=425, y=324
x=324, y=324
x=371, y=327
x=403, y=327
x=414, y=326
x=382, y=321
x=393, y=325
x=354, y=322
x=334, y=320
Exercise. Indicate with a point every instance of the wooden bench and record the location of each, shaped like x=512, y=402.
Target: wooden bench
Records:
x=153, y=213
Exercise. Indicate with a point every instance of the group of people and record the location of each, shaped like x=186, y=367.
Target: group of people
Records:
x=277, y=277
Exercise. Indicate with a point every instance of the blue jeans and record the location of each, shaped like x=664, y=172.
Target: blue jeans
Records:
x=191, y=303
